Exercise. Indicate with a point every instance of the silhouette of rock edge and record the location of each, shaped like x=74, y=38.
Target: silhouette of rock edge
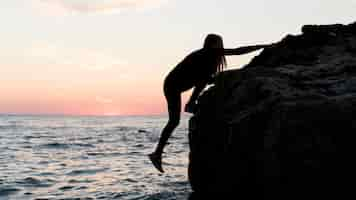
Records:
x=282, y=126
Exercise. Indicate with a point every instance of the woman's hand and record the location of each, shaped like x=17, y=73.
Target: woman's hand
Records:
x=190, y=107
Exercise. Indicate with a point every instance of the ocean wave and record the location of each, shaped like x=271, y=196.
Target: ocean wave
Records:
x=66, y=187
x=8, y=190
x=60, y=127
x=57, y=145
x=72, y=181
x=120, y=128
x=86, y=158
x=86, y=171
x=11, y=127
x=143, y=131
x=34, y=182
x=104, y=154
x=38, y=135
x=161, y=195
x=45, y=173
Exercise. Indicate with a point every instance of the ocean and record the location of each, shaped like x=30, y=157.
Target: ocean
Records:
x=66, y=157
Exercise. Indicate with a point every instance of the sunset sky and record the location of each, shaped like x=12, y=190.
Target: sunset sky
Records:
x=109, y=57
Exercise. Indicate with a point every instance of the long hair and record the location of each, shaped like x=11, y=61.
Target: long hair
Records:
x=213, y=41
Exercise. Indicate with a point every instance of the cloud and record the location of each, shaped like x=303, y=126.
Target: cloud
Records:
x=93, y=6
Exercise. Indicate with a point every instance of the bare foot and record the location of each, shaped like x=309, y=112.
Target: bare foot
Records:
x=156, y=161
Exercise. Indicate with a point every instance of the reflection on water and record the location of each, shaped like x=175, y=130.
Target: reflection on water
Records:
x=44, y=157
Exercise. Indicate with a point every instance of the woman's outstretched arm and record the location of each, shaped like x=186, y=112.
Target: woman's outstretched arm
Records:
x=244, y=50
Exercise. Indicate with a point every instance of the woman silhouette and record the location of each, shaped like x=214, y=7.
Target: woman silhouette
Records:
x=196, y=70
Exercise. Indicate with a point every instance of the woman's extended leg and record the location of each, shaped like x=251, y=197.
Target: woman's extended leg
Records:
x=174, y=109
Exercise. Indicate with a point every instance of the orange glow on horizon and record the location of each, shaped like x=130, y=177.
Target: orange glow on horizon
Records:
x=107, y=99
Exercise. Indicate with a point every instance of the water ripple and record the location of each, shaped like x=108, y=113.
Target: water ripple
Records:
x=87, y=158
x=57, y=145
x=86, y=171
x=8, y=190
x=34, y=182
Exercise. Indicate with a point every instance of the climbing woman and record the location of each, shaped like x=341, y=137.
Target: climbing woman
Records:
x=195, y=70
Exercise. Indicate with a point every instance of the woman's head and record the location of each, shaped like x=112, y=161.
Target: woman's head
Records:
x=213, y=41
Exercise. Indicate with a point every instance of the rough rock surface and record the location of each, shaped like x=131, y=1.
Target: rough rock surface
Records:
x=282, y=126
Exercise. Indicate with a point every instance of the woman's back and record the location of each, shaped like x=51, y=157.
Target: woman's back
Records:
x=198, y=66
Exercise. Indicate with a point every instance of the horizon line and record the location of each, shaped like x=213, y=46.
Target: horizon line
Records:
x=78, y=115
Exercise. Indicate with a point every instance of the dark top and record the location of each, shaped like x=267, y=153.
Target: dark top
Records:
x=199, y=66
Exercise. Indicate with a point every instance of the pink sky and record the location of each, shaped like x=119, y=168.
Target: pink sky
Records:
x=84, y=97
x=94, y=57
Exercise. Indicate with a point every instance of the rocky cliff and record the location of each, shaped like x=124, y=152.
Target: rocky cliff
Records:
x=282, y=126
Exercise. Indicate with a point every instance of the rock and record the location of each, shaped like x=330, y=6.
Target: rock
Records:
x=282, y=126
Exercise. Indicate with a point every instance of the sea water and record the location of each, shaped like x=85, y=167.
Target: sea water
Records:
x=66, y=157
